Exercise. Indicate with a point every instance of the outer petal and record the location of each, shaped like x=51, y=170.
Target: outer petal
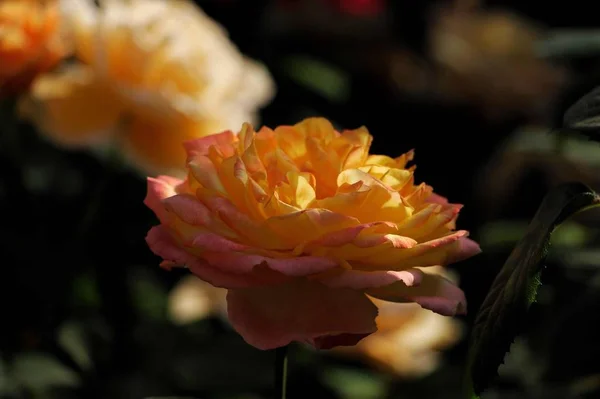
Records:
x=303, y=311
x=465, y=249
x=162, y=244
x=159, y=189
x=440, y=251
x=437, y=199
x=431, y=291
x=237, y=262
x=223, y=141
x=73, y=107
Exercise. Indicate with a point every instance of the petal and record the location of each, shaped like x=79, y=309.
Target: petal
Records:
x=203, y=172
x=192, y=217
x=351, y=243
x=316, y=127
x=437, y=199
x=236, y=262
x=370, y=202
x=302, y=311
x=440, y=251
x=361, y=280
x=431, y=291
x=436, y=225
x=217, y=244
x=159, y=189
x=241, y=189
x=465, y=248
x=73, y=107
x=348, y=235
x=358, y=142
x=312, y=223
x=223, y=141
x=163, y=245
x=252, y=232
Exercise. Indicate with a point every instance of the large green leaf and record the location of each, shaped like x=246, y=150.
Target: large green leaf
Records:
x=504, y=311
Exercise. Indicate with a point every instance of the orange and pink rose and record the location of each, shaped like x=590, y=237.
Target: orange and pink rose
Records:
x=300, y=224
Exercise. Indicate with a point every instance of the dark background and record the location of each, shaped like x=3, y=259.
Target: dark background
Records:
x=72, y=228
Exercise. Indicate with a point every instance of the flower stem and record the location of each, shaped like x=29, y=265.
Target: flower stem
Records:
x=281, y=363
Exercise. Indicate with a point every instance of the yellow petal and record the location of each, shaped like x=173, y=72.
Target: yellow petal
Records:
x=318, y=128
x=372, y=202
x=359, y=142
x=302, y=189
x=312, y=223
x=73, y=106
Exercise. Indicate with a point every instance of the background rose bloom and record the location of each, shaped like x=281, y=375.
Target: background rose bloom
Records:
x=489, y=58
x=150, y=75
x=31, y=41
x=299, y=224
x=409, y=338
x=193, y=299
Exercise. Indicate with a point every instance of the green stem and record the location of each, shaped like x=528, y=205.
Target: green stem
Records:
x=281, y=363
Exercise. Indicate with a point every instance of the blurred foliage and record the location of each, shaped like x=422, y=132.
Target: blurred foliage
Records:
x=85, y=305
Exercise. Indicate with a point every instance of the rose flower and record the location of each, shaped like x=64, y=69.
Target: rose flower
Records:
x=149, y=75
x=31, y=42
x=300, y=224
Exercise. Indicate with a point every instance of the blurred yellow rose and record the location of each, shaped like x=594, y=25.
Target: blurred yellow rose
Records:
x=31, y=41
x=192, y=300
x=150, y=75
x=409, y=339
x=300, y=223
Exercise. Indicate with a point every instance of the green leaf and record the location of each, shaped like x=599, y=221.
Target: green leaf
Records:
x=352, y=384
x=569, y=42
x=574, y=147
x=584, y=115
x=504, y=311
x=71, y=337
x=323, y=78
x=150, y=297
x=39, y=372
x=7, y=385
x=85, y=291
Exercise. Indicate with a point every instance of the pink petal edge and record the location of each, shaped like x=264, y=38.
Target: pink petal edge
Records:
x=162, y=244
x=431, y=291
x=466, y=249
